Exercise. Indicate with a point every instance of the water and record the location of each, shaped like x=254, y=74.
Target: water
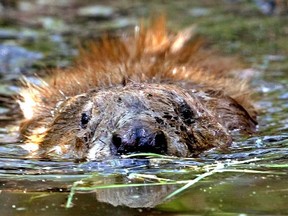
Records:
x=250, y=177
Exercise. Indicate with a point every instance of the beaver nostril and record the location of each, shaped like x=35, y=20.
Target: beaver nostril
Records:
x=160, y=143
x=160, y=138
x=116, y=140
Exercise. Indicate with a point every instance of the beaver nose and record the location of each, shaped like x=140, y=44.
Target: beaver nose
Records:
x=140, y=140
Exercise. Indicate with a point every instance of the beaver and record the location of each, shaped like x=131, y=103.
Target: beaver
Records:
x=154, y=91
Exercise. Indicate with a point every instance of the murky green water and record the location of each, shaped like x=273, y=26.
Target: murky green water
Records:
x=44, y=36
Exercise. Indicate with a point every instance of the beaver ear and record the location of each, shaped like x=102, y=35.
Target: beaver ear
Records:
x=229, y=112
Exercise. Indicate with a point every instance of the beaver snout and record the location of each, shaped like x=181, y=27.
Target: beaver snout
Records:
x=140, y=139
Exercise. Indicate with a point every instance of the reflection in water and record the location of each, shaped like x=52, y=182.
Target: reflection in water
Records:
x=135, y=197
x=228, y=191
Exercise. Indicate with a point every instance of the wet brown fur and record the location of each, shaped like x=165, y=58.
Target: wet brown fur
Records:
x=150, y=56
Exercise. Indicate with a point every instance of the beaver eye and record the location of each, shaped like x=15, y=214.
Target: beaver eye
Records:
x=85, y=118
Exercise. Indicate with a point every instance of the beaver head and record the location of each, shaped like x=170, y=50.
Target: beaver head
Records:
x=177, y=99
x=157, y=118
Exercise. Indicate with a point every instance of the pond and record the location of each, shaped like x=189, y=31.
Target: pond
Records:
x=249, y=178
